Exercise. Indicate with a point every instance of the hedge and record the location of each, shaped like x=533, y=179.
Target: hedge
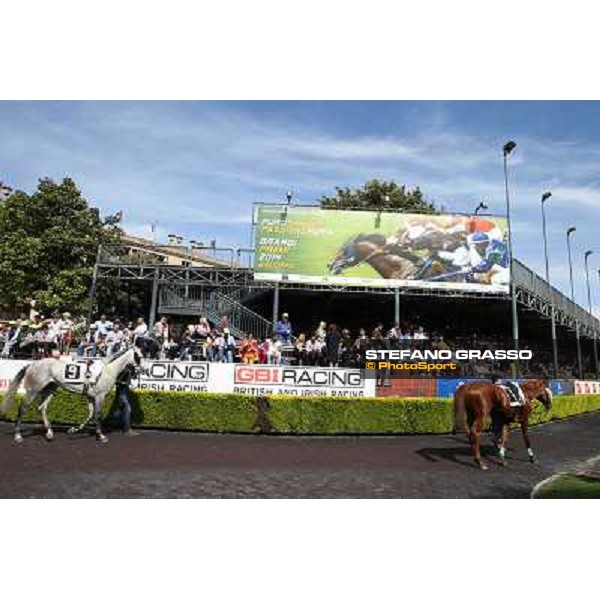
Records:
x=236, y=413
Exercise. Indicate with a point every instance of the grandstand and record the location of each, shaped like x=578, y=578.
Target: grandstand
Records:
x=185, y=283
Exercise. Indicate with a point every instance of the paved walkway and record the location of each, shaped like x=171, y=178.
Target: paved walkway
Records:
x=161, y=464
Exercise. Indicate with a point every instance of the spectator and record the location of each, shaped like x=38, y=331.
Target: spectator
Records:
x=160, y=332
x=395, y=335
x=66, y=333
x=332, y=345
x=273, y=350
x=300, y=350
x=420, y=334
x=228, y=346
x=87, y=344
x=249, y=350
x=321, y=331
x=202, y=330
x=185, y=346
x=141, y=329
x=314, y=351
x=103, y=325
x=114, y=339
x=346, y=344
x=283, y=329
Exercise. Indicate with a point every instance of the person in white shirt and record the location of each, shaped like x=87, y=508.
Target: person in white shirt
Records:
x=273, y=350
x=420, y=334
x=141, y=329
x=103, y=325
x=114, y=340
x=53, y=331
x=66, y=333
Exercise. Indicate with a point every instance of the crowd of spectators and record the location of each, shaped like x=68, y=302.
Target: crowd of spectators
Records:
x=326, y=345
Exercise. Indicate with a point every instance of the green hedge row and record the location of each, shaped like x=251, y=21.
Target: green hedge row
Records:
x=292, y=415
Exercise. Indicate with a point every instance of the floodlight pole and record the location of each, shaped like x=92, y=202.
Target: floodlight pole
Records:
x=578, y=342
x=589, y=294
x=545, y=197
x=507, y=149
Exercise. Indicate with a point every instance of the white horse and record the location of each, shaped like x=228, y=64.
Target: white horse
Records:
x=45, y=376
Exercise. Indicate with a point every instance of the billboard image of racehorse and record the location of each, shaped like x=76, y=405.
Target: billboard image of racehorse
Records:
x=372, y=249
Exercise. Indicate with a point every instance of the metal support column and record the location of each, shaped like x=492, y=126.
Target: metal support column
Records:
x=154, y=298
x=275, y=304
x=94, y=284
x=396, y=306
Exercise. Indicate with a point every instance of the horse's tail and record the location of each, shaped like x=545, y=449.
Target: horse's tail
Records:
x=460, y=422
x=9, y=397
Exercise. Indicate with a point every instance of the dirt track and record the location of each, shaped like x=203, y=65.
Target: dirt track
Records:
x=191, y=465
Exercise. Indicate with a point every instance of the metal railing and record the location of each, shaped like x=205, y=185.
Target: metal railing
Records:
x=160, y=254
x=214, y=305
x=530, y=281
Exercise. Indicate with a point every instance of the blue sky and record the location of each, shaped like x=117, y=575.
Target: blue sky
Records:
x=196, y=167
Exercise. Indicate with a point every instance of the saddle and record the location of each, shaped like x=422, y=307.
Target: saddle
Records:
x=515, y=393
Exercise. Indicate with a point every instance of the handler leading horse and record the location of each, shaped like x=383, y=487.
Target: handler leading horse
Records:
x=44, y=377
x=479, y=400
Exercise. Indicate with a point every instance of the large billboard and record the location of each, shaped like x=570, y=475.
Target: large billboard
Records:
x=372, y=249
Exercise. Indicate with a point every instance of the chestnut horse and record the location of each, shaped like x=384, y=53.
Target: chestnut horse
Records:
x=478, y=400
x=373, y=249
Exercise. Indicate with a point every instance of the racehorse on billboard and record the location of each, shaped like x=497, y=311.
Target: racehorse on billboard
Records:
x=43, y=377
x=475, y=402
x=390, y=262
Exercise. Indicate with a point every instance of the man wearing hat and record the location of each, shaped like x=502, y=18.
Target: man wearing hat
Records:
x=283, y=329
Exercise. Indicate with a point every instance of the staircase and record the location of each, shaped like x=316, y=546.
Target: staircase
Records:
x=199, y=301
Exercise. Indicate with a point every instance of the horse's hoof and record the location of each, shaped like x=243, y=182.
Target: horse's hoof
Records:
x=481, y=465
x=103, y=439
x=72, y=430
x=49, y=436
x=532, y=459
x=18, y=439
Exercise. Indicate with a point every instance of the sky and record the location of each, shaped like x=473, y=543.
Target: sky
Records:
x=195, y=168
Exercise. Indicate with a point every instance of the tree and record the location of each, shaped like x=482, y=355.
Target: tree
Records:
x=48, y=246
x=373, y=194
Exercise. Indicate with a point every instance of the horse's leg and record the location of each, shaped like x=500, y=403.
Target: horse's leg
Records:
x=502, y=446
x=89, y=418
x=29, y=396
x=525, y=432
x=98, y=418
x=476, y=429
x=46, y=397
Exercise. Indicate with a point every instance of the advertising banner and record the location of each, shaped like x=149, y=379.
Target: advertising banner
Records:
x=8, y=370
x=302, y=381
x=366, y=248
x=559, y=387
x=587, y=387
x=181, y=376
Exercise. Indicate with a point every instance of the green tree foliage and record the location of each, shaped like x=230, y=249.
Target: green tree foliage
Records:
x=48, y=246
x=372, y=196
